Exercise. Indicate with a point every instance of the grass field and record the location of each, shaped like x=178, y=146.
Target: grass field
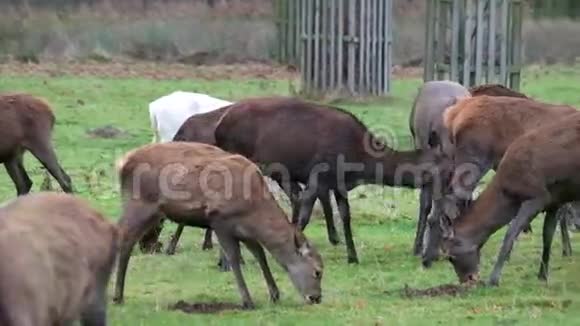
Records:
x=383, y=221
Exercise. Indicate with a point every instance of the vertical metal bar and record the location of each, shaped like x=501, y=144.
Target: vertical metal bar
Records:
x=278, y=21
x=292, y=31
x=303, y=43
x=382, y=39
x=287, y=30
x=442, y=37
x=316, y=34
x=284, y=23
x=504, y=42
x=309, y=39
x=389, y=54
x=480, y=28
x=517, y=44
x=323, y=44
x=362, y=44
x=332, y=45
x=455, y=11
x=368, y=20
x=467, y=44
x=374, y=65
x=351, y=45
x=491, y=44
x=340, y=48
x=428, y=64
x=296, y=28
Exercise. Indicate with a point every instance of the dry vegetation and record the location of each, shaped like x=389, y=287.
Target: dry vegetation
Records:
x=189, y=32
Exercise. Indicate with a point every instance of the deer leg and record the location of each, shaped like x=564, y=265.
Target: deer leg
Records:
x=24, y=174
x=170, y=250
x=231, y=247
x=18, y=175
x=550, y=223
x=292, y=190
x=526, y=213
x=566, y=245
x=44, y=152
x=137, y=218
x=309, y=196
x=207, y=242
x=95, y=314
x=223, y=263
x=344, y=210
x=149, y=243
x=324, y=198
x=425, y=203
x=258, y=252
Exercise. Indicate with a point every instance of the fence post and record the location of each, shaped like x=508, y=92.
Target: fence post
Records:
x=475, y=34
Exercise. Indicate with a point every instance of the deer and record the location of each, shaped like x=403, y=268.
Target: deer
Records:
x=168, y=112
x=58, y=255
x=539, y=172
x=322, y=147
x=26, y=124
x=203, y=186
x=481, y=129
x=200, y=128
x=426, y=127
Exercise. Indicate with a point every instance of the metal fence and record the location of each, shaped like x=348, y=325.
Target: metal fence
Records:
x=474, y=41
x=342, y=46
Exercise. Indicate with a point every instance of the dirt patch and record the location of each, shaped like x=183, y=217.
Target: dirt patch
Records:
x=151, y=70
x=203, y=307
x=168, y=71
x=436, y=291
x=107, y=132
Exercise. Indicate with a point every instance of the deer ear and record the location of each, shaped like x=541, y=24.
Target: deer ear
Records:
x=301, y=244
x=446, y=225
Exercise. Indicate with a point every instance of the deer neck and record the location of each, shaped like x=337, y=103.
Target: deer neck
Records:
x=410, y=169
x=276, y=235
x=490, y=211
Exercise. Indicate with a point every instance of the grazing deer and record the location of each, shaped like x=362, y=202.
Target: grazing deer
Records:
x=539, y=172
x=203, y=186
x=481, y=129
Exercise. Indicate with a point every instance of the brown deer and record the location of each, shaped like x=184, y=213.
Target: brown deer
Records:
x=26, y=123
x=480, y=130
x=426, y=126
x=203, y=186
x=200, y=128
x=58, y=254
x=197, y=128
x=325, y=148
x=540, y=171
x=495, y=90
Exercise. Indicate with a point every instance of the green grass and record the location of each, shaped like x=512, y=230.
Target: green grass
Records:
x=383, y=219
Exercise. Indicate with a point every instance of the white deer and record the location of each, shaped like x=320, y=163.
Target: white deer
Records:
x=169, y=112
